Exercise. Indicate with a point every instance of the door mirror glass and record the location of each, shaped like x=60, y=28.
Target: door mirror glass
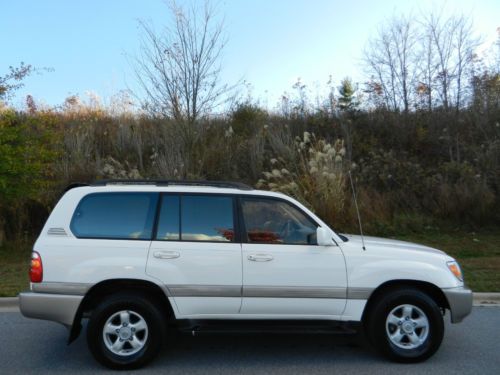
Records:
x=324, y=237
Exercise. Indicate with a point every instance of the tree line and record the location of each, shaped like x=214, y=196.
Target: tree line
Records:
x=421, y=135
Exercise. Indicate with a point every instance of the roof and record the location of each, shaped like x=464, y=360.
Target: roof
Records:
x=177, y=186
x=221, y=184
x=169, y=185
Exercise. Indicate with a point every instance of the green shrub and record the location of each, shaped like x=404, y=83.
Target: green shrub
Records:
x=27, y=155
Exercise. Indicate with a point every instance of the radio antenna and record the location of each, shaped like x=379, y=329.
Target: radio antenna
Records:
x=357, y=210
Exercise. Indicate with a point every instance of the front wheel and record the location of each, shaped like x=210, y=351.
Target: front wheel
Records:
x=125, y=332
x=406, y=325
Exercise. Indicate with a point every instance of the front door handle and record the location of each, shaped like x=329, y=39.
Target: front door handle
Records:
x=260, y=257
x=166, y=254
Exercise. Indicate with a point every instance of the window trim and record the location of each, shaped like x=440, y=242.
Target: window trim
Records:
x=236, y=229
x=85, y=197
x=243, y=230
x=238, y=220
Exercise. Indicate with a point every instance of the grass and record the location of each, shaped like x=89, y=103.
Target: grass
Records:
x=477, y=252
x=14, y=266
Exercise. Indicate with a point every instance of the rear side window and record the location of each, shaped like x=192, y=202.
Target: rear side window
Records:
x=196, y=218
x=127, y=216
x=168, y=221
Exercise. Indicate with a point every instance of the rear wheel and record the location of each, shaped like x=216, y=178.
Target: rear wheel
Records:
x=406, y=325
x=125, y=332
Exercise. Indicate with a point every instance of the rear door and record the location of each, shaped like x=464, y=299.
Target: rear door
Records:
x=285, y=273
x=110, y=238
x=195, y=253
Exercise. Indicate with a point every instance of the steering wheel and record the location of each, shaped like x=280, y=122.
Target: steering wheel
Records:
x=286, y=229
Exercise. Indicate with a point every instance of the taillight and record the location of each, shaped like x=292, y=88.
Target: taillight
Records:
x=36, y=268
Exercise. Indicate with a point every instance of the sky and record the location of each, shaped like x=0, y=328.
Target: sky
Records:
x=87, y=44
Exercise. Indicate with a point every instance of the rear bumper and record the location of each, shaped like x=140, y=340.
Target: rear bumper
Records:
x=55, y=307
x=460, y=301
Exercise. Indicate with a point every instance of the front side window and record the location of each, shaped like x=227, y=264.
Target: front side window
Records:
x=202, y=218
x=276, y=222
x=115, y=216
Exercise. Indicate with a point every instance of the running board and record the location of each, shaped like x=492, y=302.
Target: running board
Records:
x=199, y=327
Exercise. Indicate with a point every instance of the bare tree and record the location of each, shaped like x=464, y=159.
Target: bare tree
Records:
x=454, y=44
x=496, y=60
x=390, y=61
x=426, y=61
x=13, y=80
x=465, y=44
x=179, y=68
x=439, y=33
x=427, y=70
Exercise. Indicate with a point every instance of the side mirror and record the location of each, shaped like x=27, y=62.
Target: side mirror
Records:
x=324, y=237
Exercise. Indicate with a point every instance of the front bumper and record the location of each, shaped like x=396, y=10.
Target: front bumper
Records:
x=460, y=301
x=55, y=307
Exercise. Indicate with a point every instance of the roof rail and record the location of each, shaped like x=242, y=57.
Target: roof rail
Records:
x=220, y=184
x=74, y=185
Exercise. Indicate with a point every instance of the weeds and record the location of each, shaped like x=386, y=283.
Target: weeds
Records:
x=400, y=163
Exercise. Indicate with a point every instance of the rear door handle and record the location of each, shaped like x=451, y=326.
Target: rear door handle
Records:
x=166, y=254
x=260, y=257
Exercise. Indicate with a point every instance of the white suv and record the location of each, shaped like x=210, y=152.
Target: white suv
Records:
x=139, y=258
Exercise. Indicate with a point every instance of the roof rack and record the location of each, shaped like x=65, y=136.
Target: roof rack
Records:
x=220, y=184
x=74, y=185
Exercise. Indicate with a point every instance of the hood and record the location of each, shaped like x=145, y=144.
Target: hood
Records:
x=390, y=243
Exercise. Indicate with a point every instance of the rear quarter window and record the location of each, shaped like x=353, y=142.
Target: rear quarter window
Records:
x=196, y=218
x=127, y=216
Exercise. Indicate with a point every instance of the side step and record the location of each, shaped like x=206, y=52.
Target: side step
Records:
x=199, y=327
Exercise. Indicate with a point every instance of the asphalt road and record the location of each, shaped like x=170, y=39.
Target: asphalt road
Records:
x=472, y=347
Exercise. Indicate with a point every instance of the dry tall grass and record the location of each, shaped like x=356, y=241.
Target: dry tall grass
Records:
x=401, y=163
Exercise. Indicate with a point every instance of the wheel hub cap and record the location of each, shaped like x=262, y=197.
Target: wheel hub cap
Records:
x=125, y=333
x=407, y=326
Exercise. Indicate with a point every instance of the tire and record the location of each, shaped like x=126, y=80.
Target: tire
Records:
x=125, y=332
x=405, y=325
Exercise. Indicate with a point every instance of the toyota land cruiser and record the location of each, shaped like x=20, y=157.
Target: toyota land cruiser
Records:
x=139, y=258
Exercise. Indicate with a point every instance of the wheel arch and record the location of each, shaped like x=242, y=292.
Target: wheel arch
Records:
x=105, y=288
x=430, y=289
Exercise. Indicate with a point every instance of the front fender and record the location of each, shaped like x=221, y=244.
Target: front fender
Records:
x=377, y=272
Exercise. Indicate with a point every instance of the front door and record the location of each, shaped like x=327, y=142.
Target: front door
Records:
x=195, y=254
x=285, y=273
